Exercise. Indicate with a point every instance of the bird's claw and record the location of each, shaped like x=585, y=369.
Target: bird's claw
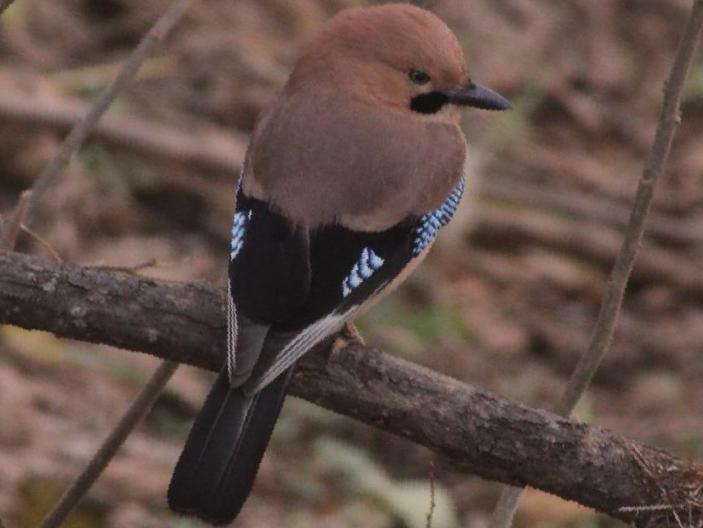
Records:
x=349, y=335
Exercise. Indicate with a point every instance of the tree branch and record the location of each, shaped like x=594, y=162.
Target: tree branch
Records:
x=473, y=429
x=29, y=202
x=654, y=166
x=611, y=304
x=108, y=449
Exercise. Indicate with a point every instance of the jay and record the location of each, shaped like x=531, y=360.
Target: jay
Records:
x=348, y=178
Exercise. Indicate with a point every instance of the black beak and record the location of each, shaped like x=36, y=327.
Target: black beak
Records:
x=479, y=97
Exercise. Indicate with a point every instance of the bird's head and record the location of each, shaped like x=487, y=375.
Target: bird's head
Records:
x=398, y=56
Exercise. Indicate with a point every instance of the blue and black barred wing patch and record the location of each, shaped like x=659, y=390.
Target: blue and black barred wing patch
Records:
x=240, y=221
x=238, y=234
x=430, y=223
x=348, y=269
x=269, y=268
x=368, y=264
x=239, y=230
x=269, y=272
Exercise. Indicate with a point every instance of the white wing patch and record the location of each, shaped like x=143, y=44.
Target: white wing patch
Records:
x=232, y=331
x=302, y=342
x=239, y=226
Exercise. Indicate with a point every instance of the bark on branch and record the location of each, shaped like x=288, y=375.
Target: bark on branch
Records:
x=473, y=429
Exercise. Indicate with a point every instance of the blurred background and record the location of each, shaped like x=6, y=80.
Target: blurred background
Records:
x=506, y=300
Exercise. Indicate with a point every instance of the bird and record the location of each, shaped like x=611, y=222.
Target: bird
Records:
x=348, y=177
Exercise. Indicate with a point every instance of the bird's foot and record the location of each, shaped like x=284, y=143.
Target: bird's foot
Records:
x=349, y=335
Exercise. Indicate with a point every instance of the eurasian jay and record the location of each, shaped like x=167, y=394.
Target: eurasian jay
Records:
x=348, y=178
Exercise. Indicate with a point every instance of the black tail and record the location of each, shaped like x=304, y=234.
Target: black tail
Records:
x=219, y=462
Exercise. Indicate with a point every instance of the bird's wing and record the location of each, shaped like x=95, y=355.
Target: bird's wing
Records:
x=269, y=278
x=348, y=269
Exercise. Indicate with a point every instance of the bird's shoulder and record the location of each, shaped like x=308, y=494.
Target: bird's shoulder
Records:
x=279, y=267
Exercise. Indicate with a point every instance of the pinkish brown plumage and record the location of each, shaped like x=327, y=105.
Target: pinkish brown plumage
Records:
x=348, y=178
x=342, y=143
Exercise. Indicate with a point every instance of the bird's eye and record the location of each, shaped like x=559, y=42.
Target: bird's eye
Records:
x=419, y=77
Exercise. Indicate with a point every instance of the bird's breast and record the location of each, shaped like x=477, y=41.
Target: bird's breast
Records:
x=351, y=163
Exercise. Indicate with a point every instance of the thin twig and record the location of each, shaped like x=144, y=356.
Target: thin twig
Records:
x=430, y=513
x=669, y=120
x=602, y=336
x=71, y=144
x=136, y=412
x=500, y=440
x=506, y=507
x=10, y=232
x=42, y=242
x=82, y=129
